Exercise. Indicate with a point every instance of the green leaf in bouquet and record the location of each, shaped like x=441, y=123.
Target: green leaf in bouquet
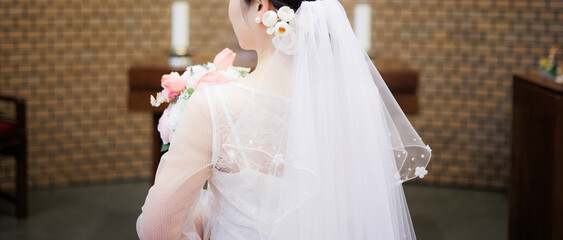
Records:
x=243, y=71
x=165, y=147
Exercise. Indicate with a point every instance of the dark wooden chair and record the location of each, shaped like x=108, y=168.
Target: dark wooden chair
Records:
x=13, y=142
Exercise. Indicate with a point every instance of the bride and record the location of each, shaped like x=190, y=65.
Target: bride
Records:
x=310, y=145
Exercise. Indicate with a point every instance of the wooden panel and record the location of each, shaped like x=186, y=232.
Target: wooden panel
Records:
x=536, y=182
x=139, y=100
x=400, y=80
x=144, y=80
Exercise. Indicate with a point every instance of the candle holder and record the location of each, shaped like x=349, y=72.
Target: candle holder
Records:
x=179, y=57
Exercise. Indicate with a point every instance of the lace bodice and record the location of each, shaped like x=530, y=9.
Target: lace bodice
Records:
x=241, y=160
x=247, y=144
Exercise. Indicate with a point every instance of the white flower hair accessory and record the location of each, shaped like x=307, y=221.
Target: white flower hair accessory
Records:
x=282, y=24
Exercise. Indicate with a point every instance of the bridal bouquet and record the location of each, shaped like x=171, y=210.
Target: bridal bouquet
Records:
x=179, y=88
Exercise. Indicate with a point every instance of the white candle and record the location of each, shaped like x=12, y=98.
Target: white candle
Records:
x=180, y=25
x=362, y=24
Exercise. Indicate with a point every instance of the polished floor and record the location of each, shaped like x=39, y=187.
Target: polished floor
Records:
x=110, y=211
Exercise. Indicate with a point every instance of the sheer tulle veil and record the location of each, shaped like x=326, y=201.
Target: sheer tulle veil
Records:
x=347, y=145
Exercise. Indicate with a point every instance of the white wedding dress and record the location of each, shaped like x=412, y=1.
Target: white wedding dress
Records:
x=317, y=149
x=203, y=149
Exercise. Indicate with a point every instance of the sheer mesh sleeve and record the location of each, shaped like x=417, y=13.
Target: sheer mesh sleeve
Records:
x=171, y=207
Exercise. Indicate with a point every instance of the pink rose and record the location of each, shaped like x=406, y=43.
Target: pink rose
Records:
x=169, y=95
x=213, y=78
x=173, y=82
x=224, y=59
x=164, y=126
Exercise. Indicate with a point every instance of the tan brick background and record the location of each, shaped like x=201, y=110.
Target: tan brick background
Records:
x=69, y=60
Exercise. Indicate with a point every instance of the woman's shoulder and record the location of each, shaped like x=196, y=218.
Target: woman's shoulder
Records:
x=226, y=90
x=235, y=94
x=222, y=95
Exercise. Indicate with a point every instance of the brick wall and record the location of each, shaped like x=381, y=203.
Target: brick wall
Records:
x=69, y=60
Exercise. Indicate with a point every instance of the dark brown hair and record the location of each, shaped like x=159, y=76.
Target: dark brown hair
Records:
x=293, y=4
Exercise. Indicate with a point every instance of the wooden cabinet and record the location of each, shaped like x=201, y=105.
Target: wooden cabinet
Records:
x=536, y=172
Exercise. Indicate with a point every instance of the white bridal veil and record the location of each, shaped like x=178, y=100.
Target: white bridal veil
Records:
x=347, y=145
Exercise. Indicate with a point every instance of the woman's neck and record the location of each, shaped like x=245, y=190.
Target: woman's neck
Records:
x=264, y=54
